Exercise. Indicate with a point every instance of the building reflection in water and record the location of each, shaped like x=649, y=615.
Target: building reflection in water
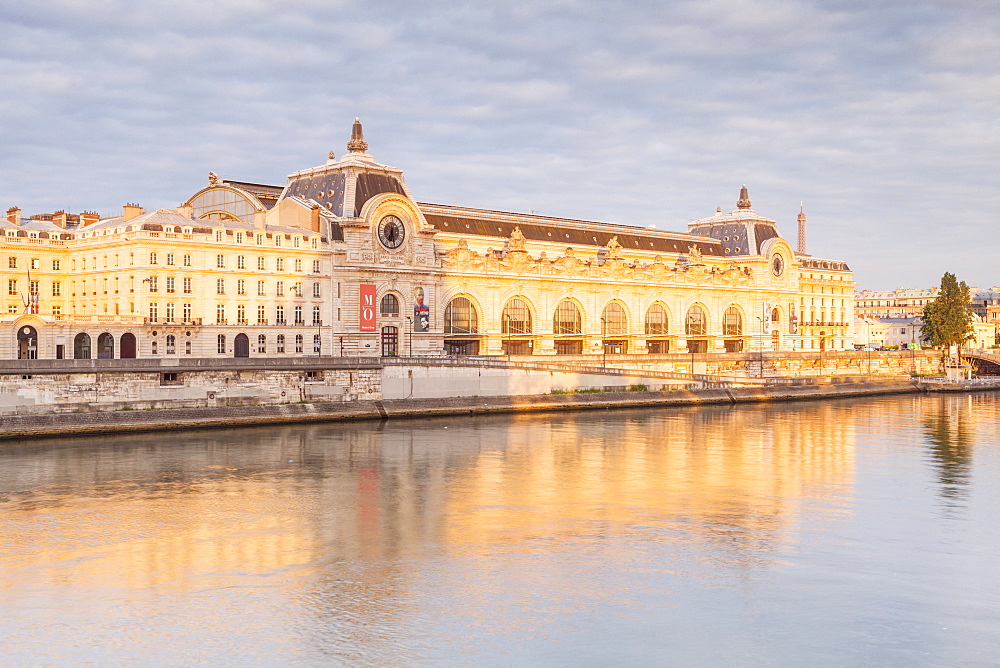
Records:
x=154, y=513
x=346, y=522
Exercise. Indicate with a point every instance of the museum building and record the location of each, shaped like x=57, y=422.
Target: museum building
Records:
x=343, y=261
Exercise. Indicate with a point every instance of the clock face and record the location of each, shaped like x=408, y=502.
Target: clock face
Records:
x=777, y=265
x=391, y=232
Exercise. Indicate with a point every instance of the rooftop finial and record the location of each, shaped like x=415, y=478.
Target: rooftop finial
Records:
x=744, y=202
x=357, y=143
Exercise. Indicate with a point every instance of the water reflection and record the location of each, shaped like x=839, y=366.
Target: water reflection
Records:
x=439, y=539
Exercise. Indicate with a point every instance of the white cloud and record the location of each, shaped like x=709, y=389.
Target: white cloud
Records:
x=880, y=115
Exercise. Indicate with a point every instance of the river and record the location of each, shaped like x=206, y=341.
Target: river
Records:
x=854, y=531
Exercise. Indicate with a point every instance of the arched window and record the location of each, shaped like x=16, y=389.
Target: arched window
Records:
x=516, y=318
x=696, y=324
x=81, y=346
x=567, y=319
x=656, y=320
x=732, y=322
x=615, y=322
x=460, y=317
x=105, y=347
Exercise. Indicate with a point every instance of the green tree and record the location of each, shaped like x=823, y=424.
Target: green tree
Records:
x=948, y=319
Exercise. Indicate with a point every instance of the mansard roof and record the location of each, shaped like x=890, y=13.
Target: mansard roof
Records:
x=561, y=231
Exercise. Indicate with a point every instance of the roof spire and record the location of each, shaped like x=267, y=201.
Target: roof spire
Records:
x=744, y=202
x=357, y=143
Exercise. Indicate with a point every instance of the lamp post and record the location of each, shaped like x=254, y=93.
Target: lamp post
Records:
x=409, y=335
x=319, y=338
x=761, y=351
x=604, y=345
x=507, y=321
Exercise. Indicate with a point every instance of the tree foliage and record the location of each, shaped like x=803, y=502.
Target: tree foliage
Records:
x=948, y=319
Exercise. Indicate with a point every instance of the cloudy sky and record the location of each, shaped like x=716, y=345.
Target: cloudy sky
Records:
x=882, y=116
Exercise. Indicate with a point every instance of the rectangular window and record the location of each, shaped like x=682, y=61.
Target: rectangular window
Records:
x=152, y=284
x=220, y=261
x=12, y=262
x=153, y=308
x=220, y=314
x=170, y=312
x=56, y=288
x=152, y=259
x=170, y=259
x=260, y=289
x=33, y=288
x=279, y=289
x=316, y=319
x=170, y=283
x=316, y=290
x=315, y=266
x=220, y=286
x=298, y=266
x=187, y=286
x=241, y=262
x=298, y=316
x=241, y=287
x=187, y=312
x=187, y=260
x=261, y=315
x=298, y=289
x=221, y=344
x=261, y=264
x=279, y=315
x=36, y=263
x=279, y=264
x=280, y=344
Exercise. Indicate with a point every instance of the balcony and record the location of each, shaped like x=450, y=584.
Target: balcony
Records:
x=261, y=321
x=242, y=323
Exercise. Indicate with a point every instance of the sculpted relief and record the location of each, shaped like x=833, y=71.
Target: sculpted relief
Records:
x=517, y=260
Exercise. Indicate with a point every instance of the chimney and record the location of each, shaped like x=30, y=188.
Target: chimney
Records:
x=14, y=216
x=314, y=218
x=802, y=232
x=59, y=219
x=130, y=211
x=88, y=218
x=186, y=210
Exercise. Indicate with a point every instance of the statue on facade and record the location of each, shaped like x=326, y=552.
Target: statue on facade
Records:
x=517, y=240
x=213, y=179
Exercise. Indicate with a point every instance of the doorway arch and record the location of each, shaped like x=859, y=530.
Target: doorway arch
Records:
x=127, y=346
x=241, y=346
x=27, y=343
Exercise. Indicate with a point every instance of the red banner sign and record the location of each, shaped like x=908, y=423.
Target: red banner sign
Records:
x=366, y=312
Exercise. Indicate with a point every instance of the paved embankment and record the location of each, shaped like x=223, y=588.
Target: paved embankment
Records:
x=87, y=423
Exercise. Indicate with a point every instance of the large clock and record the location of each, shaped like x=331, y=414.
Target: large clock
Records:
x=391, y=232
x=777, y=264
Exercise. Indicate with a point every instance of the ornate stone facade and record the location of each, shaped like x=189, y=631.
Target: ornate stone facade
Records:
x=343, y=260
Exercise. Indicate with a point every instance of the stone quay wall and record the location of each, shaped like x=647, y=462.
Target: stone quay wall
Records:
x=21, y=427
